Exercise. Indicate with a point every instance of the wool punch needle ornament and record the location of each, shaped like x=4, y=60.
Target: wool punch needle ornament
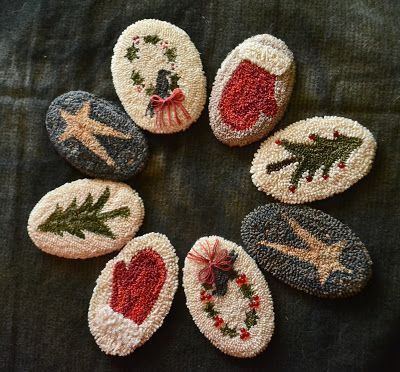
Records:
x=313, y=159
x=251, y=90
x=307, y=249
x=133, y=294
x=96, y=136
x=158, y=76
x=86, y=218
x=228, y=297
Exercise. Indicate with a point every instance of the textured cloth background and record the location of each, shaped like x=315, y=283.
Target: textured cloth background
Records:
x=347, y=56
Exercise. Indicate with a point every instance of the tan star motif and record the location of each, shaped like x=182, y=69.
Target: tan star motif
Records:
x=324, y=257
x=84, y=129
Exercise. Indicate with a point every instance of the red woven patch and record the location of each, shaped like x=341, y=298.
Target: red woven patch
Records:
x=135, y=288
x=250, y=91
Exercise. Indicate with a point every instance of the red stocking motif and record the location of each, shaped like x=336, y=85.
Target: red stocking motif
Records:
x=136, y=288
x=250, y=91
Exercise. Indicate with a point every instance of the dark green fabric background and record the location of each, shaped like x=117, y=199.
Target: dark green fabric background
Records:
x=347, y=55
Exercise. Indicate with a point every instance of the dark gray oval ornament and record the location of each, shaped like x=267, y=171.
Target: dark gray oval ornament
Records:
x=307, y=249
x=96, y=136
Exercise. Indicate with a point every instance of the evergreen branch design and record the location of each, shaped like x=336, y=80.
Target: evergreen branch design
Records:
x=322, y=152
x=74, y=219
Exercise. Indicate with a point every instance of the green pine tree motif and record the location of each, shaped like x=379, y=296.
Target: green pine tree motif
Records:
x=321, y=152
x=74, y=219
x=131, y=53
x=151, y=39
x=251, y=318
x=170, y=53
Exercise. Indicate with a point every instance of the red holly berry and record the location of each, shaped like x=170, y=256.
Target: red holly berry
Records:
x=205, y=297
x=341, y=165
x=218, y=321
x=241, y=280
x=309, y=178
x=336, y=134
x=244, y=334
x=292, y=188
x=325, y=176
x=278, y=142
x=255, y=303
x=312, y=137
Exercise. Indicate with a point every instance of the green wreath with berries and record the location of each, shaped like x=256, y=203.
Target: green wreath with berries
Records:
x=170, y=53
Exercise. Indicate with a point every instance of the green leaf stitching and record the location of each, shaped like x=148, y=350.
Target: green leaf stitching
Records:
x=87, y=217
x=251, y=318
x=227, y=331
x=247, y=291
x=209, y=309
x=131, y=53
x=136, y=78
x=150, y=90
x=151, y=39
x=174, y=81
x=170, y=53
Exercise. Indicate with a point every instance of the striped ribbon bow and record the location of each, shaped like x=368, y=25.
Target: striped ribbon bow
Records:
x=170, y=105
x=211, y=257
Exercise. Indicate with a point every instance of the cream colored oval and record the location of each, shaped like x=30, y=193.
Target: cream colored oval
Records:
x=114, y=334
x=188, y=66
x=261, y=333
x=71, y=246
x=273, y=55
x=277, y=183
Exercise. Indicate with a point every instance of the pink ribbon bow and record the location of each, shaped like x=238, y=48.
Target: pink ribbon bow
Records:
x=173, y=103
x=211, y=257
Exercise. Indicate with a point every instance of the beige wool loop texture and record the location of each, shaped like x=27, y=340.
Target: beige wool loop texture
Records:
x=255, y=106
x=114, y=332
x=313, y=159
x=86, y=218
x=238, y=319
x=154, y=58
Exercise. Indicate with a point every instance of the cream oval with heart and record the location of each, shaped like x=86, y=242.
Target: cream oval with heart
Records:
x=313, y=159
x=307, y=249
x=251, y=90
x=133, y=294
x=86, y=218
x=158, y=76
x=228, y=297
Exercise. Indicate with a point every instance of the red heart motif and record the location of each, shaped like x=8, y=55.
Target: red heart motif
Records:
x=249, y=91
x=136, y=288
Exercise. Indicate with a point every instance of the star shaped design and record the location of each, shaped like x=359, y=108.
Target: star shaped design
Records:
x=324, y=257
x=85, y=129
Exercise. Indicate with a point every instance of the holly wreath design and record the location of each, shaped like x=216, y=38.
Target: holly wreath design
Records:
x=165, y=95
x=214, y=277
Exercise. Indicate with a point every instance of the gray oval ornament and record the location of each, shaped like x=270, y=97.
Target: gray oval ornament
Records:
x=96, y=136
x=307, y=249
